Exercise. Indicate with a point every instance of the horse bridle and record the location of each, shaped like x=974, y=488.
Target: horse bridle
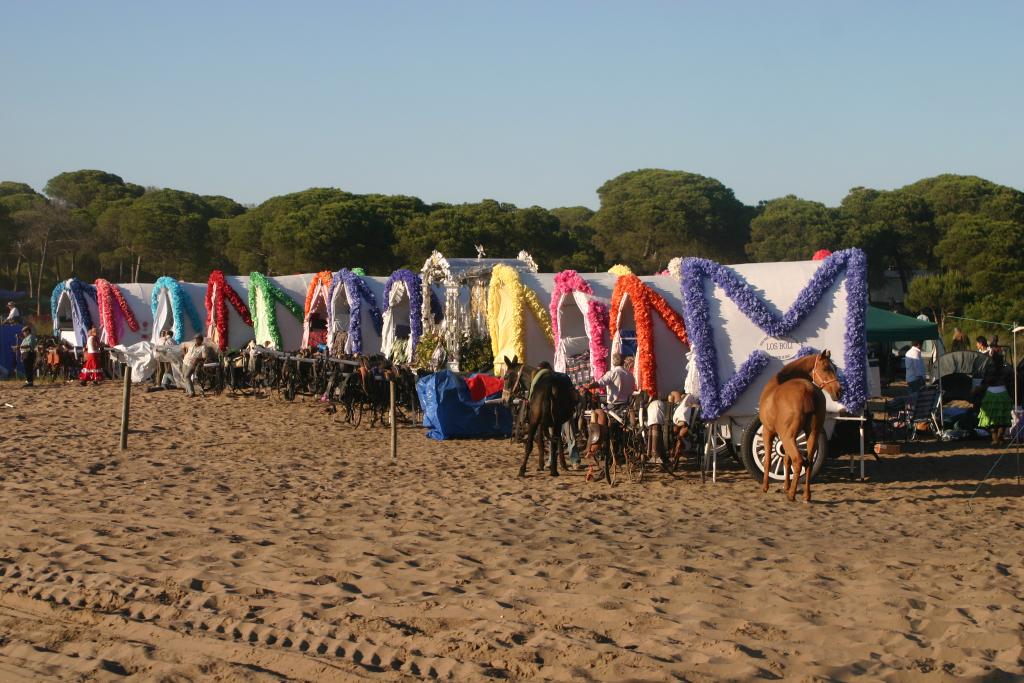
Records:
x=815, y=376
x=516, y=385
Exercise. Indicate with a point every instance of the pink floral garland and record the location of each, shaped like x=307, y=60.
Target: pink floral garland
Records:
x=569, y=281
x=106, y=295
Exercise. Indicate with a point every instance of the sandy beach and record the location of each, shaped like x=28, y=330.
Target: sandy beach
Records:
x=248, y=539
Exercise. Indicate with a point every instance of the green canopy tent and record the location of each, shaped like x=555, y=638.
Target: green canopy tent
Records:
x=884, y=326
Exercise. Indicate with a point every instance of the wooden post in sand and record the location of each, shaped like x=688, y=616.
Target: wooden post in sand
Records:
x=394, y=423
x=126, y=399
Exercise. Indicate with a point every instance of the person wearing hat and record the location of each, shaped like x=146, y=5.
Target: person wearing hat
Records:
x=27, y=347
x=13, y=314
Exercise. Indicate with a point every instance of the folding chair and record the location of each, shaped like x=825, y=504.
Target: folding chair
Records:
x=925, y=410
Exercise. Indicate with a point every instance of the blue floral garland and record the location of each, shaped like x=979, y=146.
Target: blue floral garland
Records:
x=81, y=318
x=357, y=292
x=181, y=306
x=54, y=300
x=716, y=399
x=414, y=286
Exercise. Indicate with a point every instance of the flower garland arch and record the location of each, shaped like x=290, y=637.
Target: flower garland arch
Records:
x=107, y=295
x=507, y=278
x=413, y=285
x=620, y=269
x=323, y=279
x=567, y=282
x=645, y=300
x=356, y=292
x=81, y=317
x=264, y=296
x=218, y=294
x=181, y=306
x=716, y=398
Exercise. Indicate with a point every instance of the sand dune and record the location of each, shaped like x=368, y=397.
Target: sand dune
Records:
x=246, y=539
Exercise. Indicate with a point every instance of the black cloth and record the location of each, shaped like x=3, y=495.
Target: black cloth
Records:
x=28, y=359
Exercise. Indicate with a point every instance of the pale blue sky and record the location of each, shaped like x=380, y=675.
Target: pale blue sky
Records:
x=527, y=102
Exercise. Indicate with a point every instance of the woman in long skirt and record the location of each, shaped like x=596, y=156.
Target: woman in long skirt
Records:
x=996, y=406
x=92, y=370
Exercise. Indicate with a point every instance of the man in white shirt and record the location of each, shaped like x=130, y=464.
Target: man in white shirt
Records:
x=915, y=368
x=13, y=314
x=618, y=383
x=193, y=357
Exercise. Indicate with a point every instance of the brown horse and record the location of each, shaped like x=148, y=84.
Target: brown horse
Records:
x=794, y=401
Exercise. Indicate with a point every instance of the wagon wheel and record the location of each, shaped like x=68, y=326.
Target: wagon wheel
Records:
x=635, y=453
x=289, y=388
x=753, y=453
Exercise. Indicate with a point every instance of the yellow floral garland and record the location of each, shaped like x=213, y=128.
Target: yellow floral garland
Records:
x=503, y=276
x=620, y=270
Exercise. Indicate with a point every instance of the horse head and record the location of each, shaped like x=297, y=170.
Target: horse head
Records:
x=511, y=379
x=823, y=375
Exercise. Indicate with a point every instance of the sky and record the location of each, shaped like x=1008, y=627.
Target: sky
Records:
x=525, y=102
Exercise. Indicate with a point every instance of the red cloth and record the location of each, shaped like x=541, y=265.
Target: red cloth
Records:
x=91, y=371
x=482, y=386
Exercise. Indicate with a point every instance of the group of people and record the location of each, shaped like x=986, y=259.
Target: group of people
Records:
x=92, y=367
x=619, y=385
x=995, y=409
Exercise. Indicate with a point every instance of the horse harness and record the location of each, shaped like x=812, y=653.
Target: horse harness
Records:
x=815, y=375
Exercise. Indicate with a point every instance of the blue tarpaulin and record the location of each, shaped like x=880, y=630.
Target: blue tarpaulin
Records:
x=8, y=339
x=450, y=413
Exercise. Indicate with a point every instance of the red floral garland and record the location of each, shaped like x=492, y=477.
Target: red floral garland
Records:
x=644, y=299
x=106, y=295
x=323, y=278
x=226, y=293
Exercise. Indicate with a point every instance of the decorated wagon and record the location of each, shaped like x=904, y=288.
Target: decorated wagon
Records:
x=461, y=286
x=354, y=318
x=744, y=322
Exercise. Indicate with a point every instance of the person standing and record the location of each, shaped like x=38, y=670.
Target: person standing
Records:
x=959, y=342
x=982, y=345
x=915, y=368
x=162, y=366
x=993, y=345
x=995, y=412
x=92, y=370
x=28, y=354
x=193, y=357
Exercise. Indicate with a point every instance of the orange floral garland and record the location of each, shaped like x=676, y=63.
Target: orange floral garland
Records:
x=324, y=278
x=644, y=299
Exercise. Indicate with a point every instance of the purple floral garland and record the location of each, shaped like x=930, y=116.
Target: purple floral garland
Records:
x=414, y=286
x=81, y=318
x=357, y=292
x=715, y=400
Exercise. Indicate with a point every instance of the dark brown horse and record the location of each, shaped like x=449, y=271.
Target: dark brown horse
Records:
x=794, y=401
x=552, y=403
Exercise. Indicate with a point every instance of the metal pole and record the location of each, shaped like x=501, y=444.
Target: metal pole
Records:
x=126, y=399
x=862, y=447
x=394, y=423
x=1016, y=394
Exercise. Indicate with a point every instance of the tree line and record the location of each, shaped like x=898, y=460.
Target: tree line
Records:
x=966, y=233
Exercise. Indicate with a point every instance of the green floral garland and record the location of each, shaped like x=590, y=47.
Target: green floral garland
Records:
x=264, y=309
